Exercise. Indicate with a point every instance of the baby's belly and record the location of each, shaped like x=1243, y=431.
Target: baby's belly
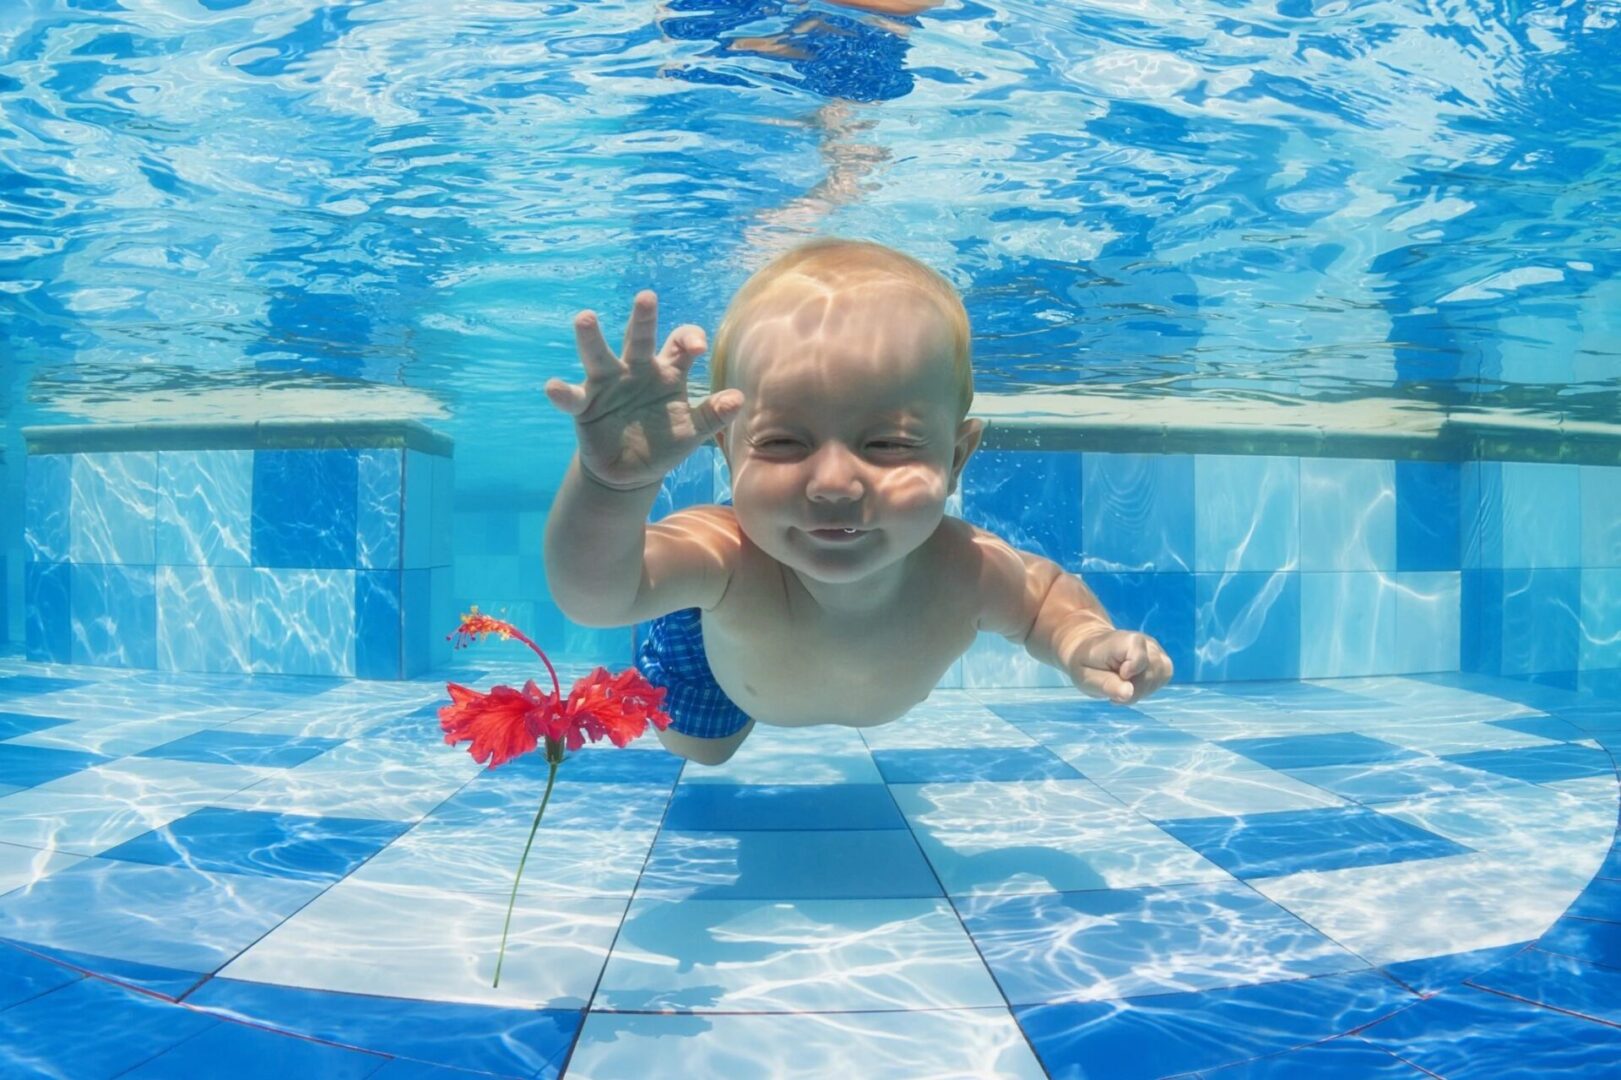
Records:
x=845, y=696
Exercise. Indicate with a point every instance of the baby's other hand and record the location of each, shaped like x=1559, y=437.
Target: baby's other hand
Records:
x=1120, y=665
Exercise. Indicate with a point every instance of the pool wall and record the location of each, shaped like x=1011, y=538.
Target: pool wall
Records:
x=1246, y=566
x=273, y=548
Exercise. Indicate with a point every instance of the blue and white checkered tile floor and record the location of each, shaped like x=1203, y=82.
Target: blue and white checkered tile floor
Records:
x=234, y=876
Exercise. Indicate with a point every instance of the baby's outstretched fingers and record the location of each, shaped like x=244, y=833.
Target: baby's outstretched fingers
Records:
x=568, y=398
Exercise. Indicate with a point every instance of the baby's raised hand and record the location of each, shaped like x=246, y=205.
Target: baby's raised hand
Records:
x=1121, y=665
x=631, y=416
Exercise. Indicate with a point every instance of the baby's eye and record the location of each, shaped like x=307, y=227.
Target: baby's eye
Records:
x=888, y=444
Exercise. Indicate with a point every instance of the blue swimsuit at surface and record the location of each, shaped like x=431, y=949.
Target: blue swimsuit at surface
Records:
x=672, y=655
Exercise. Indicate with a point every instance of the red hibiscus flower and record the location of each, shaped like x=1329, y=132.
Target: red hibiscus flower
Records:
x=505, y=723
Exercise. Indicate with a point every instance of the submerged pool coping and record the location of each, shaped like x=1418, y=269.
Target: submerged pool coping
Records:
x=1372, y=428
x=322, y=434
x=1377, y=428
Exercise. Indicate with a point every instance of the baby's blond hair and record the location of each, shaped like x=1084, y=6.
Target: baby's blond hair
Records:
x=840, y=264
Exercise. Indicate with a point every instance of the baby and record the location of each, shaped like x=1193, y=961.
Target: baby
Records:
x=835, y=589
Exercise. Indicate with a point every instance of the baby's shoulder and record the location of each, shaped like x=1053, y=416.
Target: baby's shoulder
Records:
x=996, y=573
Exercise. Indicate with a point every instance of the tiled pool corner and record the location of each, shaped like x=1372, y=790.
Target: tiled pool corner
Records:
x=276, y=548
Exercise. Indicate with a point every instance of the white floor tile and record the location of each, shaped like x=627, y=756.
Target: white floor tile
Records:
x=399, y=941
x=1043, y=836
x=977, y=1044
x=793, y=956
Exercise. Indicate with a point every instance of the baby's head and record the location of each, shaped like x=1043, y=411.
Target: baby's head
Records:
x=853, y=360
x=805, y=288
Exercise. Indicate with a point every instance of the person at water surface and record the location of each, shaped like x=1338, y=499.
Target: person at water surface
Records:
x=835, y=589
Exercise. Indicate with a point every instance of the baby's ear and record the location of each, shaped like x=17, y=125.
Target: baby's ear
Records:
x=969, y=432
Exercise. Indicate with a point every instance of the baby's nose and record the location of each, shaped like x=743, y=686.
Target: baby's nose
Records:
x=835, y=474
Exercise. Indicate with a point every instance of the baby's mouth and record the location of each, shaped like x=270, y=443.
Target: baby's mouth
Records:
x=838, y=536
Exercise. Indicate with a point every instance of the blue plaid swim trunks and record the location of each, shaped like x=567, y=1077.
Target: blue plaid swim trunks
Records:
x=672, y=656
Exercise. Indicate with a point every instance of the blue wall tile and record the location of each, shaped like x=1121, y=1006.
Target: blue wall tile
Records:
x=1248, y=512
x=1541, y=515
x=377, y=509
x=114, y=508
x=993, y=660
x=1248, y=626
x=1480, y=509
x=440, y=519
x=1136, y=512
x=379, y=606
x=1427, y=621
x=441, y=612
x=115, y=615
x=416, y=504
x=47, y=499
x=1601, y=515
x=304, y=621
x=417, y=629
x=1347, y=625
x=1480, y=622
x=1427, y=515
x=48, y=611
x=1541, y=630
x=1347, y=514
x=304, y=508
x=1160, y=605
x=204, y=507
x=1601, y=618
x=205, y=618
x=1031, y=500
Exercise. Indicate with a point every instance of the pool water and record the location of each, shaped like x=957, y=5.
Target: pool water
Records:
x=228, y=875
x=1295, y=328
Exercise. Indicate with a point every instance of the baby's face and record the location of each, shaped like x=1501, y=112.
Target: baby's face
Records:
x=849, y=421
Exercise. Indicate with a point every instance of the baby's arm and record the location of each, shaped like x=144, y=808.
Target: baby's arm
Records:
x=604, y=565
x=1034, y=601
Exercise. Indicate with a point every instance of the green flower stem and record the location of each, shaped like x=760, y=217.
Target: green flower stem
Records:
x=552, y=760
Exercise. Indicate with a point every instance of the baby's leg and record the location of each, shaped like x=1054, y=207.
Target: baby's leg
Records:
x=703, y=751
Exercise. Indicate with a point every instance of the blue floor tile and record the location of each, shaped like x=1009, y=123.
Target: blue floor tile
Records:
x=1290, y=841
x=17, y=686
x=148, y=914
x=1585, y=939
x=1433, y=974
x=1126, y=943
x=249, y=1053
x=1596, y=719
x=93, y=1029
x=785, y=865
x=217, y=839
x=227, y=747
x=1338, y=1059
x=169, y=982
x=1560, y=982
x=600, y=765
x=24, y=975
x=1150, y=1037
x=724, y=807
x=1539, y=763
x=1469, y=1034
x=1004, y=763
x=1544, y=727
x=13, y=724
x=508, y=1041
x=26, y=766
x=1304, y=751
x=1600, y=900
